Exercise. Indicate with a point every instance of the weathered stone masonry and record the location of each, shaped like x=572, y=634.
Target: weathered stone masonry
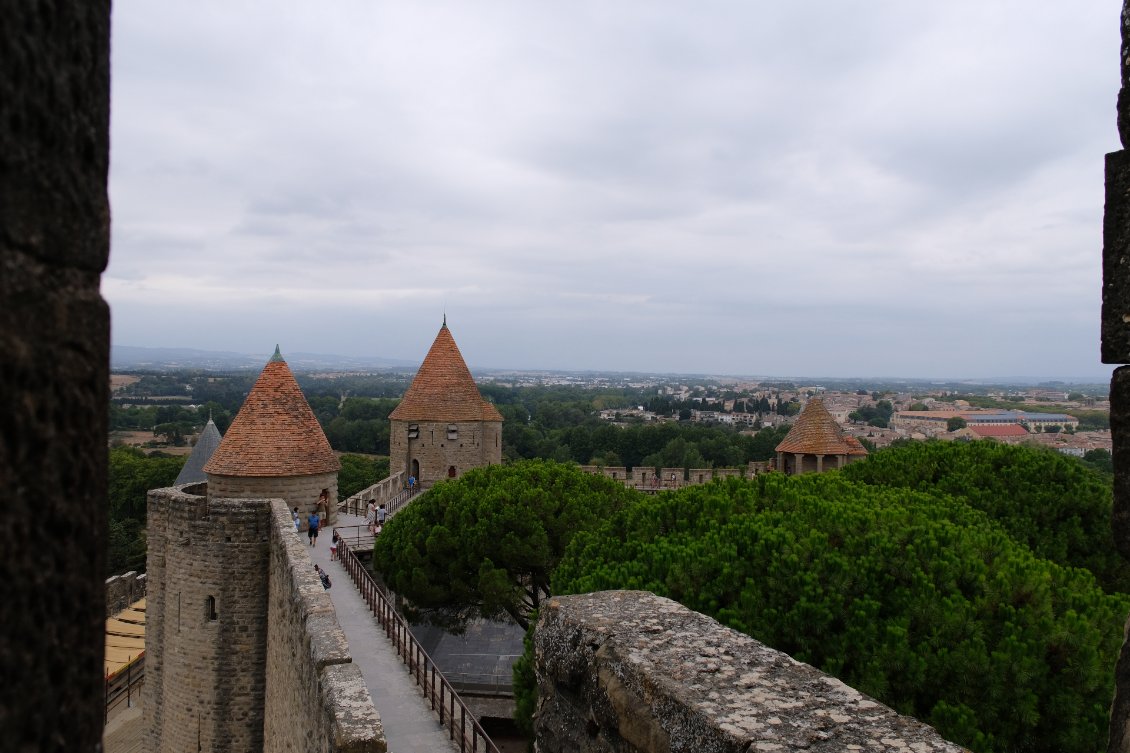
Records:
x=243, y=649
x=628, y=671
x=1116, y=350
x=54, y=370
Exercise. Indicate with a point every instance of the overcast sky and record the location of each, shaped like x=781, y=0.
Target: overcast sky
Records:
x=833, y=188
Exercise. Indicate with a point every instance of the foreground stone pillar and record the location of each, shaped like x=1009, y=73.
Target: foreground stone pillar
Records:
x=629, y=671
x=54, y=370
x=1116, y=350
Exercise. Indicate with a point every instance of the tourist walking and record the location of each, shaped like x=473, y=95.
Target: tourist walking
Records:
x=297, y=521
x=382, y=514
x=371, y=516
x=312, y=532
x=324, y=577
x=333, y=545
x=322, y=507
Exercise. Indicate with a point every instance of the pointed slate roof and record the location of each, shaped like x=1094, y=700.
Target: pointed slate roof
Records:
x=816, y=432
x=206, y=444
x=443, y=389
x=275, y=433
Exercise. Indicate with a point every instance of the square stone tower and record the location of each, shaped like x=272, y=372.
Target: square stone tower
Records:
x=443, y=426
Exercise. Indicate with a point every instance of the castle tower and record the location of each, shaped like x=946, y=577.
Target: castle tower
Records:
x=206, y=444
x=275, y=447
x=443, y=426
x=816, y=438
x=208, y=571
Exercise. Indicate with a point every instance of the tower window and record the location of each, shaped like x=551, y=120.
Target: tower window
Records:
x=413, y=431
x=452, y=432
x=210, y=609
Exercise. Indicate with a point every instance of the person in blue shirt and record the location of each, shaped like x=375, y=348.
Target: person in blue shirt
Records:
x=313, y=522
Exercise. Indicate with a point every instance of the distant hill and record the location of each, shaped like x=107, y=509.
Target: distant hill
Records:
x=124, y=357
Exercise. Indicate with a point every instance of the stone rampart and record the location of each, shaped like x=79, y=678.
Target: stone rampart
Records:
x=243, y=649
x=630, y=671
x=123, y=590
x=316, y=700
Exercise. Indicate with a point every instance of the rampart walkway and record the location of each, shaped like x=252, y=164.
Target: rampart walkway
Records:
x=409, y=725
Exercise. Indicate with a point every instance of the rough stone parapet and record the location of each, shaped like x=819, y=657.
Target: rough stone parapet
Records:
x=630, y=671
x=123, y=590
x=316, y=699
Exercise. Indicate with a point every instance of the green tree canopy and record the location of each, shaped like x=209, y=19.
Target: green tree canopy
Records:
x=359, y=472
x=1053, y=503
x=918, y=600
x=485, y=544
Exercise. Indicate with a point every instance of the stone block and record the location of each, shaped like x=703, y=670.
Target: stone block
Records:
x=627, y=671
x=1116, y=261
x=357, y=726
x=1120, y=434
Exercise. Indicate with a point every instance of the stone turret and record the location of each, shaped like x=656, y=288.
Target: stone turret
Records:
x=814, y=440
x=275, y=447
x=206, y=444
x=443, y=426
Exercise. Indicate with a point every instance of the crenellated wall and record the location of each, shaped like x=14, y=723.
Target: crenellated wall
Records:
x=123, y=590
x=243, y=649
x=629, y=671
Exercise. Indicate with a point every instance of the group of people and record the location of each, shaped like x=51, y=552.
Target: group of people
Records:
x=376, y=517
x=315, y=519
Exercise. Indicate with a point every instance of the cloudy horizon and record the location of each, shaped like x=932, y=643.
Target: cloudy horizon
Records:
x=848, y=189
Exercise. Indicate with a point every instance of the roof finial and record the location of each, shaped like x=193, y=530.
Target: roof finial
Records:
x=445, y=318
x=278, y=354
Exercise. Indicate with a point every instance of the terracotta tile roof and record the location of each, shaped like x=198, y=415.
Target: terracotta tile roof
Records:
x=817, y=433
x=275, y=433
x=443, y=389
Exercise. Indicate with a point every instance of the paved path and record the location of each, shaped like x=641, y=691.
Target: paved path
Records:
x=410, y=724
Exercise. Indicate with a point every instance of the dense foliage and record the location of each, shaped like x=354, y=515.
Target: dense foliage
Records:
x=359, y=472
x=918, y=600
x=485, y=544
x=1055, y=504
x=132, y=475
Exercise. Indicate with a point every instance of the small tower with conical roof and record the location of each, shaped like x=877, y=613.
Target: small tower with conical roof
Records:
x=275, y=447
x=443, y=426
x=193, y=470
x=814, y=440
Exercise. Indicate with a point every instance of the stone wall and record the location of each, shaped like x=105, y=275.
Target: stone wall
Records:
x=1115, y=349
x=54, y=370
x=206, y=622
x=243, y=648
x=476, y=444
x=297, y=491
x=317, y=701
x=123, y=590
x=628, y=671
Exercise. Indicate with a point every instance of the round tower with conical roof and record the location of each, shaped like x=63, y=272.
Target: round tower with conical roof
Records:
x=443, y=426
x=275, y=447
x=817, y=443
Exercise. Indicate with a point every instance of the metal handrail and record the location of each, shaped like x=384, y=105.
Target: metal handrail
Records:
x=123, y=684
x=428, y=678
